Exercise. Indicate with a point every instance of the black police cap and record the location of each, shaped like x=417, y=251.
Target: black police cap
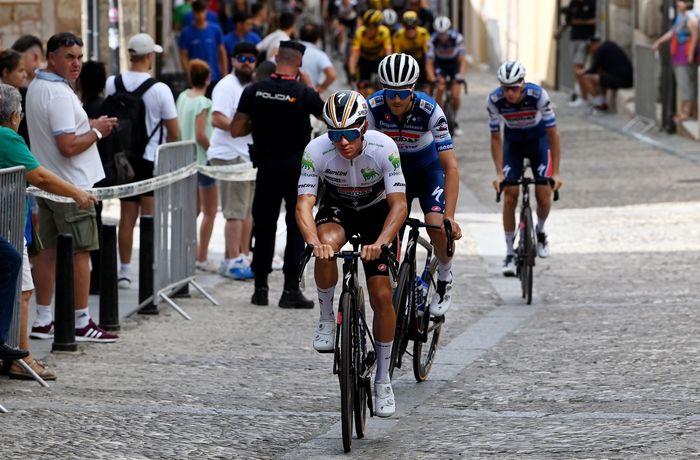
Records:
x=244, y=48
x=293, y=45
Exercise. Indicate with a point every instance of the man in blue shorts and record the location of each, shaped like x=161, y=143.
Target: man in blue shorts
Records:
x=419, y=127
x=530, y=132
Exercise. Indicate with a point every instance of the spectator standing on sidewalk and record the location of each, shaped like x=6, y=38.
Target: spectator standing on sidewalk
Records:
x=316, y=63
x=242, y=32
x=203, y=40
x=16, y=153
x=610, y=69
x=236, y=196
x=65, y=142
x=581, y=17
x=684, y=56
x=270, y=44
x=194, y=116
x=32, y=51
x=161, y=125
x=280, y=105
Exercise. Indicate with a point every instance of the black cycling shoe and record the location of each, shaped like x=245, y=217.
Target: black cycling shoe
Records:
x=294, y=299
x=260, y=296
x=9, y=353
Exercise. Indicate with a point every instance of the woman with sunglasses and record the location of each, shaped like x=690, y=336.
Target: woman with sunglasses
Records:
x=418, y=126
x=365, y=194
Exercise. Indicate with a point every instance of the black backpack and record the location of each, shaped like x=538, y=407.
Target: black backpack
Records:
x=127, y=142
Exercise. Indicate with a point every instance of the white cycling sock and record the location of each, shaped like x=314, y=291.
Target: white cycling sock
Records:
x=82, y=318
x=510, y=240
x=445, y=271
x=325, y=302
x=599, y=99
x=125, y=269
x=383, y=350
x=44, y=316
x=539, y=228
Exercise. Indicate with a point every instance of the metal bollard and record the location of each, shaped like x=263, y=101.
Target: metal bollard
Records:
x=146, y=261
x=64, y=335
x=109, y=294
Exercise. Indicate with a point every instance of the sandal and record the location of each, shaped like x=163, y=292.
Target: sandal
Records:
x=18, y=372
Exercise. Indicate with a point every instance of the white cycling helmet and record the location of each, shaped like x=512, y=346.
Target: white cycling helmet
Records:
x=511, y=73
x=398, y=70
x=442, y=24
x=389, y=17
x=344, y=109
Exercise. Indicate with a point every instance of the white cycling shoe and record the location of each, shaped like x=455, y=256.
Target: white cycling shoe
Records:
x=442, y=298
x=542, y=245
x=324, y=341
x=384, y=403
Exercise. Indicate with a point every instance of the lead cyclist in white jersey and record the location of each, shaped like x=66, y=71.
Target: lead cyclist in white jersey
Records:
x=365, y=194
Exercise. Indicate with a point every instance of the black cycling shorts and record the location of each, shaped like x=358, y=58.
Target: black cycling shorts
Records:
x=367, y=223
x=367, y=68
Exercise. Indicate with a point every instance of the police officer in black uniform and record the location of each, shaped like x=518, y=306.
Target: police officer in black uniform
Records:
x=276, y=110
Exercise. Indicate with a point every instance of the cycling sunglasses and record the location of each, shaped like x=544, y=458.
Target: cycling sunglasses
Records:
x=243, y=59
x=401, y=93
x=335, y=135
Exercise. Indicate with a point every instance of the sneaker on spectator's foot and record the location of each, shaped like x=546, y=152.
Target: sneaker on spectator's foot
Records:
x=293, y=298
x=238, y=269
x=93, y=333
x=124, y=282
x=42, y=332
x=578, y=102
x=206, y=266
x=442, y=298
x=384, y=404
x=509, y=266
x=223, y=267
x=324, y=341
x=277, y=263
x=542, y=245
x=260, y=296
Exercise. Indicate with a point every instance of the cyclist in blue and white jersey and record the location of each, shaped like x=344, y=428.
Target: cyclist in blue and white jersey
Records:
x=446, y=60
x=530, y=132
x=418, y=126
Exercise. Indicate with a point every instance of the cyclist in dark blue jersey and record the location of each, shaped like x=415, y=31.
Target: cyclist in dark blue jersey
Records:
x=530, y=132
x=419, y=127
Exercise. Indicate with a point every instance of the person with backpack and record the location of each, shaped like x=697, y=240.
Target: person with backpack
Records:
x=147, y=118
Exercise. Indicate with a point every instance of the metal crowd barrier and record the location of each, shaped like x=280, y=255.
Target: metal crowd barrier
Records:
x=646, y=89
x=175, y=225
x=12, y=219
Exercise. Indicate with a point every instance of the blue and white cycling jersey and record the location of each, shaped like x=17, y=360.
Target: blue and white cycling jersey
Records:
x=420, y=137
x=524, y=121
x=448, y=50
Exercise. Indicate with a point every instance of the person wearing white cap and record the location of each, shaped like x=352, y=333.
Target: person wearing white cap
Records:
x=161, y=125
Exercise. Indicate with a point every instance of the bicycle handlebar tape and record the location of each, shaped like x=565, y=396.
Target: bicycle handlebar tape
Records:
x=109, y=294
x=64, y=335
x=146, y=263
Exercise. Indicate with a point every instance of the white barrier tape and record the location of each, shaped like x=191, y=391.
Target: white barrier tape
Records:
x=237, y=172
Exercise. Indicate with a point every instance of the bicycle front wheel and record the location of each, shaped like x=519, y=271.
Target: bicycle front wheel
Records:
x=424, y=352
x=345, y=374
x=359, y=347
x=401, y=308
x=528, y=261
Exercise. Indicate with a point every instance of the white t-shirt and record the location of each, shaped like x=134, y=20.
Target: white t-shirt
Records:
x=159, y=102
x=224, y=99
x=53, y=109
x=271, y=43
x=314, y=63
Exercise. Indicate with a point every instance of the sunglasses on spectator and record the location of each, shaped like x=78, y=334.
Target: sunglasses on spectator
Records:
x=401, y=93
x=335, y=135
x=243, y=59
x=69, y=41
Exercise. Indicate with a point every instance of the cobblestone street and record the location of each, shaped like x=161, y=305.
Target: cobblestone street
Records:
x=601, y=365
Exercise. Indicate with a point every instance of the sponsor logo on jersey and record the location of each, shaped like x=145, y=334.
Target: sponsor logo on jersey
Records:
x=333, y=172
x=369, y=173
x=399, y=184
x=387, y=117
x=307, y=163
x=395, y=160
x=306, y=185
x=376, y=101
x=275, y=97
x=436, y=208
x=381, y=267
x=427, y=106
x=441, y=124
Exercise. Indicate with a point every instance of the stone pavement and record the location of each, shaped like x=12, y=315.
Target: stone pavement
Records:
x=602, y=365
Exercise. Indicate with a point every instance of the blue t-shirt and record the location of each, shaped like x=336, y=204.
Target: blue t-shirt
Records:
x=231, y=40
x=188, y=18
x=203, y=44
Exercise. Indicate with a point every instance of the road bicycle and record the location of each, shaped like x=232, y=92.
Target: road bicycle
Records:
x=526, y=249
x=412, y=299
x=353, y=360
x=447, y=106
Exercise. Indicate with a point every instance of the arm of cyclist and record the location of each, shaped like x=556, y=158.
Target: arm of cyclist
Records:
x=448, y=159
x=398, y=212
x=555, y=148
x=307, y=226
x=497, y=157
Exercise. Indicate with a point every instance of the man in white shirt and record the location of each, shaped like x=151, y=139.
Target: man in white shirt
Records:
x=236, y=196
x=161, y=125
x=271, y=43
x=64, y=141
x=316, y=63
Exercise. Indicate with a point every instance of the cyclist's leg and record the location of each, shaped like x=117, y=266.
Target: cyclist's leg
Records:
x=543, y=191
x=330, y=231
x=365, y=70
x=512, y=169
x=440, y=79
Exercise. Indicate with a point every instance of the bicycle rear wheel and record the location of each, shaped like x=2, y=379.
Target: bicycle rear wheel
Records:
x=401, y=308
x=528, y=256
x=345, y=374
x=359, y=347
x=424, y=352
